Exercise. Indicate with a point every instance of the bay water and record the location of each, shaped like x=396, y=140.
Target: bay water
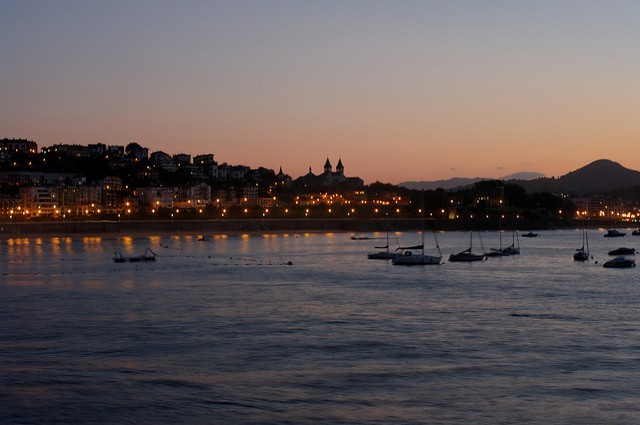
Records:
x=296, y=328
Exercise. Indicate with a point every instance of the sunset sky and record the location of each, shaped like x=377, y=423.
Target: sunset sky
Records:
x=399, y=90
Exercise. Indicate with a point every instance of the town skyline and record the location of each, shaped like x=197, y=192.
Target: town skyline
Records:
x=85, y=182
x=329, y=174
x=400, y=91
x=315, y=169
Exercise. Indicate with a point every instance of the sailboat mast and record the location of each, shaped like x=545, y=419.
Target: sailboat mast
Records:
x=422, y=219
x=586, y=238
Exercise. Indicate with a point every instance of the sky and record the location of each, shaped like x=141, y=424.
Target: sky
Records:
x=399, y=90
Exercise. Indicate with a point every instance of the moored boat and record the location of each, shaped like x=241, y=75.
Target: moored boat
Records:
x=382, y=255
x=118, y=258
x=411, y=258
x=620, y=263
x=613, y=233
x=512, y=249
x=148, y=255
x=529, y=235
x=467, y=255
x=582, y=254
x=623, y=251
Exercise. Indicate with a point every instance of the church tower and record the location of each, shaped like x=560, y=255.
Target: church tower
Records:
x=340, y=168
x=328, y=168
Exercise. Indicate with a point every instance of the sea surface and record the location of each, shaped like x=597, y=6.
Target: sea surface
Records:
x=302, y=328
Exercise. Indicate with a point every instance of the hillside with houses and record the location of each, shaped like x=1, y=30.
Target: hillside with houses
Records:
x=102, y=182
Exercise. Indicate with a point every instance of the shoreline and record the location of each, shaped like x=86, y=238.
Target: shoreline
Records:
x=226, y=226
x=234, y=226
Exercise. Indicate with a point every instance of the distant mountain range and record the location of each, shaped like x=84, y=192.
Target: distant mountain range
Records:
x=523, y=175
x=600, y=176
x=442, y=184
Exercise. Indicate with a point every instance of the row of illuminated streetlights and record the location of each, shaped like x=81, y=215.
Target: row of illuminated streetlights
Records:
x=39, y=211
x=306, y=210
x=373, y=208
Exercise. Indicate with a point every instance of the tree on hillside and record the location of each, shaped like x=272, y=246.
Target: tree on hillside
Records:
x=514, y=195
x=133, y=150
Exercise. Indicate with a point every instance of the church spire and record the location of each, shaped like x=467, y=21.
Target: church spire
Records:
x=340, y=167
x=328, y=168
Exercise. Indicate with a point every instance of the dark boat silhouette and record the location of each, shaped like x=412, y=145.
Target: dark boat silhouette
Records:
x=622, y=251
x=148, y=255
x=613, y=233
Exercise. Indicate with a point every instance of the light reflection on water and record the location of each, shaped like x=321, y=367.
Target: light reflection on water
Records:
x=225, y=331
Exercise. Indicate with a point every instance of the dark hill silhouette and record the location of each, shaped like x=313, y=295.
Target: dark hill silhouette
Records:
x=444, y=184
x=600, y=176
x=462, y=182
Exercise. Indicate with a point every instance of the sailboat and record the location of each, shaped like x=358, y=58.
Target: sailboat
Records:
x=467, y=255
x=496, y=252
x=512, y=249
x=503, y=252
x=382, y=255
x=582, y=254
x=411, y=258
